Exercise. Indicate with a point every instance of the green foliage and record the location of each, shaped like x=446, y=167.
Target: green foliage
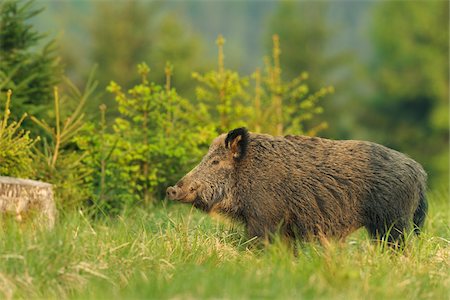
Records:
x=159, y=134
x=310, y=44
x=155, y=140
x=175, y=42
x=15, y=145
x=285, y=107
x=303, y=30
x=410, y=68
x=222, y=95
x=274, y=106
x=126, y=33
x=58, y=160
x=120, y=38
x=105, y=181
x=28, y=69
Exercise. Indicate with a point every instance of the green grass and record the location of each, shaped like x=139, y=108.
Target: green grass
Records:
x=173, y=251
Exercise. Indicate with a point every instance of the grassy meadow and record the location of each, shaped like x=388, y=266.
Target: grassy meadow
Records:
x=173, y=251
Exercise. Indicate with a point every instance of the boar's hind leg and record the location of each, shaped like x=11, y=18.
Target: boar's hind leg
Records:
x=386, y=219
x=420, y=213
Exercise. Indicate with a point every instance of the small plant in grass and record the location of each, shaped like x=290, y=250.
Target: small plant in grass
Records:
x=107, y=188
x=15, y=145
x=58, y=158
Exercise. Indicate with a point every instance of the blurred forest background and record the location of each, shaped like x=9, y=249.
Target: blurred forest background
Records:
x=371, y=70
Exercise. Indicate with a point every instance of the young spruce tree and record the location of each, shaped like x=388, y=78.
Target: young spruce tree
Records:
x=285, y=107
x=161, y=136
x=222, y=95
x=15, y=145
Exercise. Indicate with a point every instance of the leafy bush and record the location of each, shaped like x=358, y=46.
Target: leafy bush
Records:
x=156, y=138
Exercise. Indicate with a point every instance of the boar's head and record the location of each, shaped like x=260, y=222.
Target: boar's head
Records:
x=211, y=180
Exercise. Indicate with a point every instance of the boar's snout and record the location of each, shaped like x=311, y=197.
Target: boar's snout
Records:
x=173, y=192
x=185, y=193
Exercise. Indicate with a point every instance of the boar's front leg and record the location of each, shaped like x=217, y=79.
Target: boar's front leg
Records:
x=259, y=229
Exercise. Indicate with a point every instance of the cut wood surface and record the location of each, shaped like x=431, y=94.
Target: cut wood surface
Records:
x=23, y=196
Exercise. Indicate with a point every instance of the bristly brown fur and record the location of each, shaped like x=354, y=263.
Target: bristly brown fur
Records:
x=308, y=187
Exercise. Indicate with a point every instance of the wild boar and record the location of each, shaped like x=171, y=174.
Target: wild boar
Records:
x=307, y=187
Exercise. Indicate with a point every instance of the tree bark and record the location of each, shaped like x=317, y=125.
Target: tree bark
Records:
x=20, y=197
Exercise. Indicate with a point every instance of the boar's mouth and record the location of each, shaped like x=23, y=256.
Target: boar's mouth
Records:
x=208, y=196
x=202, y=196
x=199, y=203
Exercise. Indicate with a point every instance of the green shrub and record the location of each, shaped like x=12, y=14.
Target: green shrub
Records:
x=15, y=145
x=222, y=96
x=58, y=158
x=274, y=105
x=156, y=138
x=285, y=106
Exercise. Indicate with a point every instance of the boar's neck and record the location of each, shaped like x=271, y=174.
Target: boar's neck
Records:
x=231, y=205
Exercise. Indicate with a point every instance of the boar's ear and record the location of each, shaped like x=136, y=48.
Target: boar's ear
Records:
x=237, y=141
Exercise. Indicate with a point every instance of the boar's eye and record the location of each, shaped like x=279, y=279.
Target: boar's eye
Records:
x=215, y=162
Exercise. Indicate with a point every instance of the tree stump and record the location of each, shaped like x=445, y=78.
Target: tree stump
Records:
x=22, y=197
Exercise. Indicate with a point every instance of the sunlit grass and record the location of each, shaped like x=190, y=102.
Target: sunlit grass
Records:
x=173, y=251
